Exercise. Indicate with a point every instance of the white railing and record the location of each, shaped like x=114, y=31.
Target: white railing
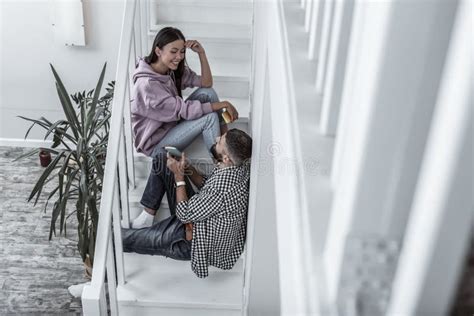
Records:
x=119, y=170
x=271, y=54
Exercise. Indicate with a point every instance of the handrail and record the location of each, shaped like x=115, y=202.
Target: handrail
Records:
x=93, y=296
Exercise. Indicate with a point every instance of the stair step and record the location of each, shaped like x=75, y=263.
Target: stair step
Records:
x=238, y=70
x=158, y=284
x=211, y=12
x=230, y=87
x=221, y=31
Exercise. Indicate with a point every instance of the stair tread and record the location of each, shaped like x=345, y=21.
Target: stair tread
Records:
x=156, y=280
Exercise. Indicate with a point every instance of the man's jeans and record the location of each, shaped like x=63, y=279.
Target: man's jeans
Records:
x=168, y=237
x=160, y=182
x=181, y=136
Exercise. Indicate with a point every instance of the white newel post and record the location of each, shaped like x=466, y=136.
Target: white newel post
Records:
x=439, y=229
x=393, y=72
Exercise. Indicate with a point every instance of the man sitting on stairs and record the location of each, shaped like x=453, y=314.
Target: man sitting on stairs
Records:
x=207, y=227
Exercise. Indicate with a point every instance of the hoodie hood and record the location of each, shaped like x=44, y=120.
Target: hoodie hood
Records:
x=144, y=70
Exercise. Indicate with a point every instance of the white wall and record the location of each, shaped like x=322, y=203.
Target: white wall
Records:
x=27, y=47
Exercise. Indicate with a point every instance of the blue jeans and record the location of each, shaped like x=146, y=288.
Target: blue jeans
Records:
x=166, y=238
x=181, y=136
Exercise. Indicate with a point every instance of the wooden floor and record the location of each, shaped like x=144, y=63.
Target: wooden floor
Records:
x=34, y=272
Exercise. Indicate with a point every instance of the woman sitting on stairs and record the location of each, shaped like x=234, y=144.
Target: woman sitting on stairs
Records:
x=160, y=116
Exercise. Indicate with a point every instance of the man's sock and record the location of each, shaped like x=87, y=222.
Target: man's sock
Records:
x=145, y=219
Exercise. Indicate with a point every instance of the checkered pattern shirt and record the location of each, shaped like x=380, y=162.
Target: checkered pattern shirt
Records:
x=219, y=216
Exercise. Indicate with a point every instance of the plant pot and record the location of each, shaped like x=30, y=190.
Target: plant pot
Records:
x=45, y=158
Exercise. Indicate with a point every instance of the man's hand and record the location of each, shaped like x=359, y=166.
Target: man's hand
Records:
x=177, y=166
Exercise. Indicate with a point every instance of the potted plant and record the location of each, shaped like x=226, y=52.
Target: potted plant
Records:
x=79, y=147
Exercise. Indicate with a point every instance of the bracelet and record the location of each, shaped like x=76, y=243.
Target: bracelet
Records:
x=180, y=183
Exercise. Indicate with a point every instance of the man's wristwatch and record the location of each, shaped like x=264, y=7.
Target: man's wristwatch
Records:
x=180, y=183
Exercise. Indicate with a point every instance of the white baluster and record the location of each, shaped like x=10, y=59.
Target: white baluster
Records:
x=152, y=7
x=144, y=25
x=123, y=178
x=336, y=66
x=112, y=285
x=308, y=14
x=136, y=35
x=116, y=224
x=323, y=48
x=129, y=139
x=315, y=28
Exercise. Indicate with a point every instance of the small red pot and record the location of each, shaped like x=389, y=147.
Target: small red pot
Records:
x=45, y=158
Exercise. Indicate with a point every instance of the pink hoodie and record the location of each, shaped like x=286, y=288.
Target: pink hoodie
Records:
x=156, y=107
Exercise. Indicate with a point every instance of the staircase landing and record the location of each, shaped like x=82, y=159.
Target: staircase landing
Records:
x=171, y=288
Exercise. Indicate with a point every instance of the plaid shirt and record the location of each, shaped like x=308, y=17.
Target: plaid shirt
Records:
x=219, y=216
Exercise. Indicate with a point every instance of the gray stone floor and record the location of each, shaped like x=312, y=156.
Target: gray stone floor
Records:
x=34, y=272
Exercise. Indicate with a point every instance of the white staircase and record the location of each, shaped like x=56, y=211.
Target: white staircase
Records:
x=154, y=284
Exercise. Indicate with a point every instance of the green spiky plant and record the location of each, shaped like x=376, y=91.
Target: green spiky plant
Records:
x=79, y=144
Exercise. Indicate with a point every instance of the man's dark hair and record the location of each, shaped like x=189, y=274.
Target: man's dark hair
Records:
x=239, y=145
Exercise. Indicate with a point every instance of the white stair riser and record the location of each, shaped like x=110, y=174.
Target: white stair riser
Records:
x=211, y=14
x=131, y=310
x=142, y=170
x=218, y=49
x=238, y=69
x=232, y=89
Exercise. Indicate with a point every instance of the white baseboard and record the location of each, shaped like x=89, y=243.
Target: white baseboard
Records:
x=21, y=142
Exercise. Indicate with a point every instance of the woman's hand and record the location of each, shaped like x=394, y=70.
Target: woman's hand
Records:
x=217, y=106
x=178, y=167
x=195, y=46
x=232, y=110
